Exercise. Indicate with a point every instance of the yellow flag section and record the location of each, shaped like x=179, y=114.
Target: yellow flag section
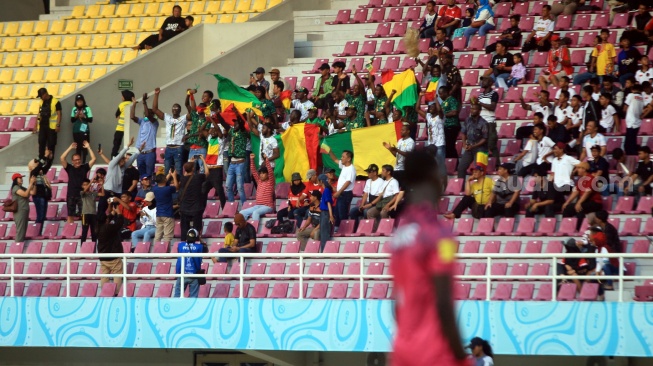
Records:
x=295, y=154
x=230, y=93
x=405, y=85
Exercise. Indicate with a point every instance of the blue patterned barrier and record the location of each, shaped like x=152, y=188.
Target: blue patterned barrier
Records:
x=544, y=328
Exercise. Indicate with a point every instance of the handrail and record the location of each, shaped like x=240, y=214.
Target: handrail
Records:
x=361, y=277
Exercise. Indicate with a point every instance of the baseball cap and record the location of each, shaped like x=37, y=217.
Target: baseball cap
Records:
x=79, y=96
x=301, y=89
x=145, y=176
x=325, y=66
x=275, y=71
x=149, y=197
x=479, y=167
x=259, y=70
x=329, y=170
x=372, y=168
x=310, y=173
x=17, y=175
x=561, y=145
x=555, y=37
x=41, y=92
x=296, y=176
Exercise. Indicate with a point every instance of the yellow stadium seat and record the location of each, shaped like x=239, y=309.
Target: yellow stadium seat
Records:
x=84, y=74
x=108, y=11
x=132, y=24
x=244, y=6
x=20, y=107
x=85, y=58
x=69, y=58
x=6, y=76
x=210, y=19
x=11, y=60
x=6, y=92
x=34, y=107
x=213, y=7
x=56, y=27
x=2, y=27
x=129, y=55
x=21, y=76
x=128, y=40
x=37, y=74
x=137, y=10
x=114, y=41
x=78, y=12
x=122, y=10
x=20, y=92
x=228, y=7
x=99, y=40
x=53, y=43
x=67, y=89
x=100, y=57
x=56, y=58
x=111, y=68
x=241, y=18
x=117, y=25
x=166, y=9
x=39, y=43
x=197, y=8
x=152, y=9
x=24, y=44
x=26, y=28
x=40, y=59
x=93, y=11
x=53, y=89
x=228, y=18
x=98, y=72
x=9, y=43
x=25, y=59
x=11, y=29
x=102, y=26
x=5, y=107
x=115, y=57
x=52, y=76
x=185, y=7
x=72, y=26
x=67, y=74
x=41, y=27
x=84, y=41
x=149, y=24
x=68, y=42
x=87, y=26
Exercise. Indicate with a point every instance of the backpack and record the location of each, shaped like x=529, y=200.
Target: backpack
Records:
x=285, y=227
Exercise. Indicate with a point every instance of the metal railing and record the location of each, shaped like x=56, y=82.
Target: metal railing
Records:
x=302, y=277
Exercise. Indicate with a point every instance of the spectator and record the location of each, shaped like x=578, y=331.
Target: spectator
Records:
x=449, y=17
x=585, y=197
x=574, y=119
x=148, y=221
x=258, y=78
x=591, y=107
x=603, y=60
x=540, y=37
x=616, y=94
x=333, y=179
x=404, y=146
x=451, y=77
x=109, y=242
x=609, y=119
x=563, y=86
x=326, y=211
x=637, y=33
x=323, y=88
x=562, y=110
x=244, y=240
x=386, y=198
x=266, y=107
x=544, y=145
x=566, y=7
x=275, y=76
x=504, y=199
x=89, y=210
x=634, y=107
x=311, y=228
x=599, y=167
x=578, y=266
x=147, y=131
x=98, y=181
x=280, y=111
x=127, y=97
x=562, y=167
x=488, y=99
x=301, y=103
x=501, y=66
x=81, y=116
x=437, y=48
x=511, y=37
x=172, y=26
x=130, y=178
x=527, y=156
x=340, y=80
x=546, y=199
x=113, y=181
x=373, y=188
x=129, y=211
x=611, y=233
x=526, y=131
x=192, y=201
x=76, y=174
x=297, y=189
x=557, y=132
x=175, y=124
x=427, y=29
x=592, y=137
x=627, y=60
x=477, y=195
x=20, y=195
x=264, y=178
x=643, y=174
x=146, y=186
x=450, y=109
x=542, y=105
x=475, y=137
x=165, y=216
x=215, y=155
x=434, y=117
x=482, y=23
x=237, y=139
x=269, y=148
x=482, y=352
x=344, y=190
x=49, y=119
x=645, y=72
x=558, y=64
x=604, y=266
x=518, y=72
x=42, y=191
x=188, y=21
x=192, y=265
x=199, y=130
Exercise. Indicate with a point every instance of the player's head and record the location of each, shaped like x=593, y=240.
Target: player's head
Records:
x=422, y=177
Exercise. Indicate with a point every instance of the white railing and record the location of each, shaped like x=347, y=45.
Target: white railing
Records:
x=301, y=257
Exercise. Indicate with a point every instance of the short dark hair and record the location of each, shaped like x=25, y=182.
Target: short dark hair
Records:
x=192, y=19
x=189, y=167
x=605, y=30
x=160, y=178
x=339, y=64
x=101, y=171
x=228, y=227
x=545, y=92
x=388, y=168
x=516, y=17
x=539, y=114
x=617, y=153
x=552, y=117
x=208, y=92
x=565, y=93
x=176, y=7
x=644, y=149
x=602, y=215
x=588, y=89
x=539, y=126
x=606, y=95
x=86, y=180
x=636, y=88
x=547, y=7
x=565, y=78
x=349, y=153
x=431, y=2
x=594, y=81
x=608, y=78
x=279, y=84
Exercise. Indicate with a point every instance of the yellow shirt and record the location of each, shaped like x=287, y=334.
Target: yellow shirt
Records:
x=229, y=240
x=604, y=58
x=121, y=118
x=481, y=190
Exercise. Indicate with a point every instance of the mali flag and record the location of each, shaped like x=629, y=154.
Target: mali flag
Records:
x=431, y=90
x=367, y=145
x=230, y=93
x=407, y=89
x=298, y=151
x=285, y=97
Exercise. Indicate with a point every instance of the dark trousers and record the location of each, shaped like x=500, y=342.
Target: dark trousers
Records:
x=532, y=45
x=47, y=137
x=468, y=202
x=286, y=213
x=533, y=168
x=79, y=139
x=191, y=220
x=630, y=143
x=117, y=143
x=41, y=206
x=225, y=250
x=450, y=137
x=103, y=205
x=428, y=32
x=587, y=207
x=89, y=221
x=499, y=209
x=492, y=142
x=468, y=157
x=342, y=206
x=548, y=210
x=151, y=41
x=215, y=180
x=325, y=229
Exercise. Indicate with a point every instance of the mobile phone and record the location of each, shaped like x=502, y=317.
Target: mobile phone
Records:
x=197, y=156
x=99, y=147
x=251, y=75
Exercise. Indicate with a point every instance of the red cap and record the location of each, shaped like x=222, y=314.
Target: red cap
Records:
x=16, y=175
x=555, y=37
x=561, y=145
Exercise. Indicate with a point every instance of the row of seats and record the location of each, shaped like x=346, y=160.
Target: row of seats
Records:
x=52, y=75
x=69, y=58
x=29, y=91
x=72, y=42
x=501, y=9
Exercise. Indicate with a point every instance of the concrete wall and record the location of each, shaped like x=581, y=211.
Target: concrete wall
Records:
x=284, y=11
x=15, y=10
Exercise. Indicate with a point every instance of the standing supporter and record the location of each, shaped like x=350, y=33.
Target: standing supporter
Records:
x=340, y=80
x=258, y=78
x=634, y=107
x=449, y=17
x=451, y=76
x=643, y=174
x=127, y=97
x=637, y=33
x=527, y=156
x=42, y=191
x=518, y=71
x=475, y=136
x=386, y=198
x=645, y=72
x=504, y=199
x=404, y=146
x=616, y=94
x=610, y=121
x=511, y=37
x=326, y=211
x=542, y=105
x=76, y=174
x=165, y=216
x=357, y=100
x=544, y=145
x=175, y=124
x=49, y=121
x=526, y=131
x=562, y=167
x=500, y=66
x=264, y=178
x=562, y=110
x=488, y=99
x=192, y=265
x=130, y=178
x=627, y=60
x=147, y=131
x=434, y=117
x=373, y=187
x=20, y=195
x=215, y=160
x=89, y=210
x=109, y=242
x=192, y=200
x=478, y=190
x=427, y=28
x=113, y=181
x=275, y=77
x=345, y=187
x=199, y=130
x=269, y=149
x=172, y=26
x=323, y=88
x=148, y=221
x=591, y=107
x=557, y=132
x=482, y=23
x=301, y=103
x=546, y=199
x=297, y=189
x=245, y=238
x=558, y=64
x=540, y=37
x=311, y=228
x=313, y=119
x=585, y=198
x=279, y=110
x=603, y=60
x=592, y=138
x=81, y=116
x=237, y=140
x=450, y=109
x=129, y=212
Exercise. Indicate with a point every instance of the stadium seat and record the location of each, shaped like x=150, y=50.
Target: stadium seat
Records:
x=351, y=48
x=485, y=227
x=526, y=226
x=471, y=246
x=461, y=291
x=480, y=292
x=505, y=226
x=624, y=205
x=503, y=292
x=631, y=226
x=589, y=292
x=567, y=292
x=640, y=246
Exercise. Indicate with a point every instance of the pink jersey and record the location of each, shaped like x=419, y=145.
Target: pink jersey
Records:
x=420, y=250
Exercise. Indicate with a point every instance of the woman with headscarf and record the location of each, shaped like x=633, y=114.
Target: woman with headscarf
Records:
x=81, y=116
x=482, y=23
x=297, y=188
x=21, y=195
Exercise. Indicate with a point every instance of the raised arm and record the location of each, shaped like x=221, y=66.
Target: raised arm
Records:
x=132, y=113
x=87, y=146
x=418, y=105
x=155, y=104
x=64, y=155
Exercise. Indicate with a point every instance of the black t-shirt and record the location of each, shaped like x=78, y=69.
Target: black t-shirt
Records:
x=628, y=60
x=558, y=133
x=75, y=178
x=641, y=20
x=505, y=59
x=46, y=112
x=172, y=25
x=193, y=200
x=245, y=235
x=551, y=193
x=602, y=165
x=344, y=84
x=644, y=170
x=130, y=175
x=516, y=35
x=612, y=238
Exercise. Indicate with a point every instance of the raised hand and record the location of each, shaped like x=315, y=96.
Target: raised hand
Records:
x=144, y=97
x=131, y=141
x=86, y=145
x=157, y=91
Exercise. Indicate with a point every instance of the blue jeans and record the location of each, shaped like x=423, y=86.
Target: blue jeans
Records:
x=192, y=282
x=236, y=173
x=146, y=163
x=173, y=158
x=325, y=229
x=256, y=212
x=225, y=250
x=342, y=206
x=500, y=80
x=610, y=270
x=440, y=157
x=512, y=82
x=194, y=152
x=581, y=79
x=41, y=205
x=482, y=31
x=146, y=233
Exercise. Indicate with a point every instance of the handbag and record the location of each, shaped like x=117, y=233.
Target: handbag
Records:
x=10, y=205
x=442, y=21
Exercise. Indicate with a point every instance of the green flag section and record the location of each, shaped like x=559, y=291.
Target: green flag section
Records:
x=407, y=89
x=230, y=93
x=298, y=151
x=367, y=145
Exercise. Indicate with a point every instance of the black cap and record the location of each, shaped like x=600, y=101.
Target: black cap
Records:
x=79, y=96
x=191, y=236
x=41, y=92
x=301, y=89
x=325, y=66
x=372, y=168
x=329, y=170
x=507, y=166
x=259, y=70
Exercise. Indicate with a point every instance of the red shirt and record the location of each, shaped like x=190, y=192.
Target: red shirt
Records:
x=420, y=250
x=589, y=182
x=130, y=215
x=310, y=187
x=264, y=190
x=454, y=12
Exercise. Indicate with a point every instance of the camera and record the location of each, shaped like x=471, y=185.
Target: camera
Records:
x=197, y=156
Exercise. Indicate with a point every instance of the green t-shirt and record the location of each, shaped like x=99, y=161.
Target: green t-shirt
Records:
x=194, y=128
x=267, y=108
x=379, y=104
x=317, y=121
x=359, y=104
x=450, y=104
x=381, y=121
x=80, y=126
x=237, y=143
x=353, y=124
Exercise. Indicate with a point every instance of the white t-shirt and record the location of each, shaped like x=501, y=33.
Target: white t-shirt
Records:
x=373, y=187
x=577, y=117
x=642, y=76
x=347, y=174
x=648, y=98
x=405, y=145
x=342, y=108
x=302, y=107
x=484, y=361
x=149, y=219
x=488, y=115
x=562, y=168
x=545, y=110
x=596, y=96
x=390, y=188
x=542, y=27
x=589, y=141
x=562, y=113
x=571, y=93
x=635, y=103
x=435, y=130
x=268, y=144
x=607, y=119
x=531, y=151
x=175, y=129
x=544, y=147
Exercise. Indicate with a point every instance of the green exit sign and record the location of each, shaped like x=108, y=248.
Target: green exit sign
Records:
x=125, y=84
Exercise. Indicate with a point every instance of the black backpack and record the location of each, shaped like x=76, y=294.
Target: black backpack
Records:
x=285, y=227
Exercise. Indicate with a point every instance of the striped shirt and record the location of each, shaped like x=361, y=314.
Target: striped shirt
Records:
x=488, y=98
x=264, y=189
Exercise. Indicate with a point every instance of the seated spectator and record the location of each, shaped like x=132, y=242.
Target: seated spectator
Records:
x=526, y=131
x=557, y=132
x=544, y=145
x=311, y=227
x=129, y=211
x=192, y=265
x=148, y=220
x=603, y=60
x=610, y=121
x=311, y=184
x=542, y=105
x=427, y=29
x=172, y=26
x=511, y=37
x=627, y=60
x=604, y=266
x=578, y=266
x=477, y=194
x=637, y=33
x=645, y=72
x=558, y=64
x=565, y=7
x=504, y=200
x=562, y=167
x=600, y=168
x=616, y=94
x=244, y=240
x=611, y=233
x=475, y=136
x=482, y=23
x=527, y=156
x=562, y=110
x=642, y=177
x=540, y=37
x=585, y=198
x=592, y=137
x=518, y=72
x=466, y=22
x=546, y=199
x=264, y=178
x=373, y=188
x=384, y=200
x=500, y=66
x=297, y=189
x=449, y=17
x=323, y=88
